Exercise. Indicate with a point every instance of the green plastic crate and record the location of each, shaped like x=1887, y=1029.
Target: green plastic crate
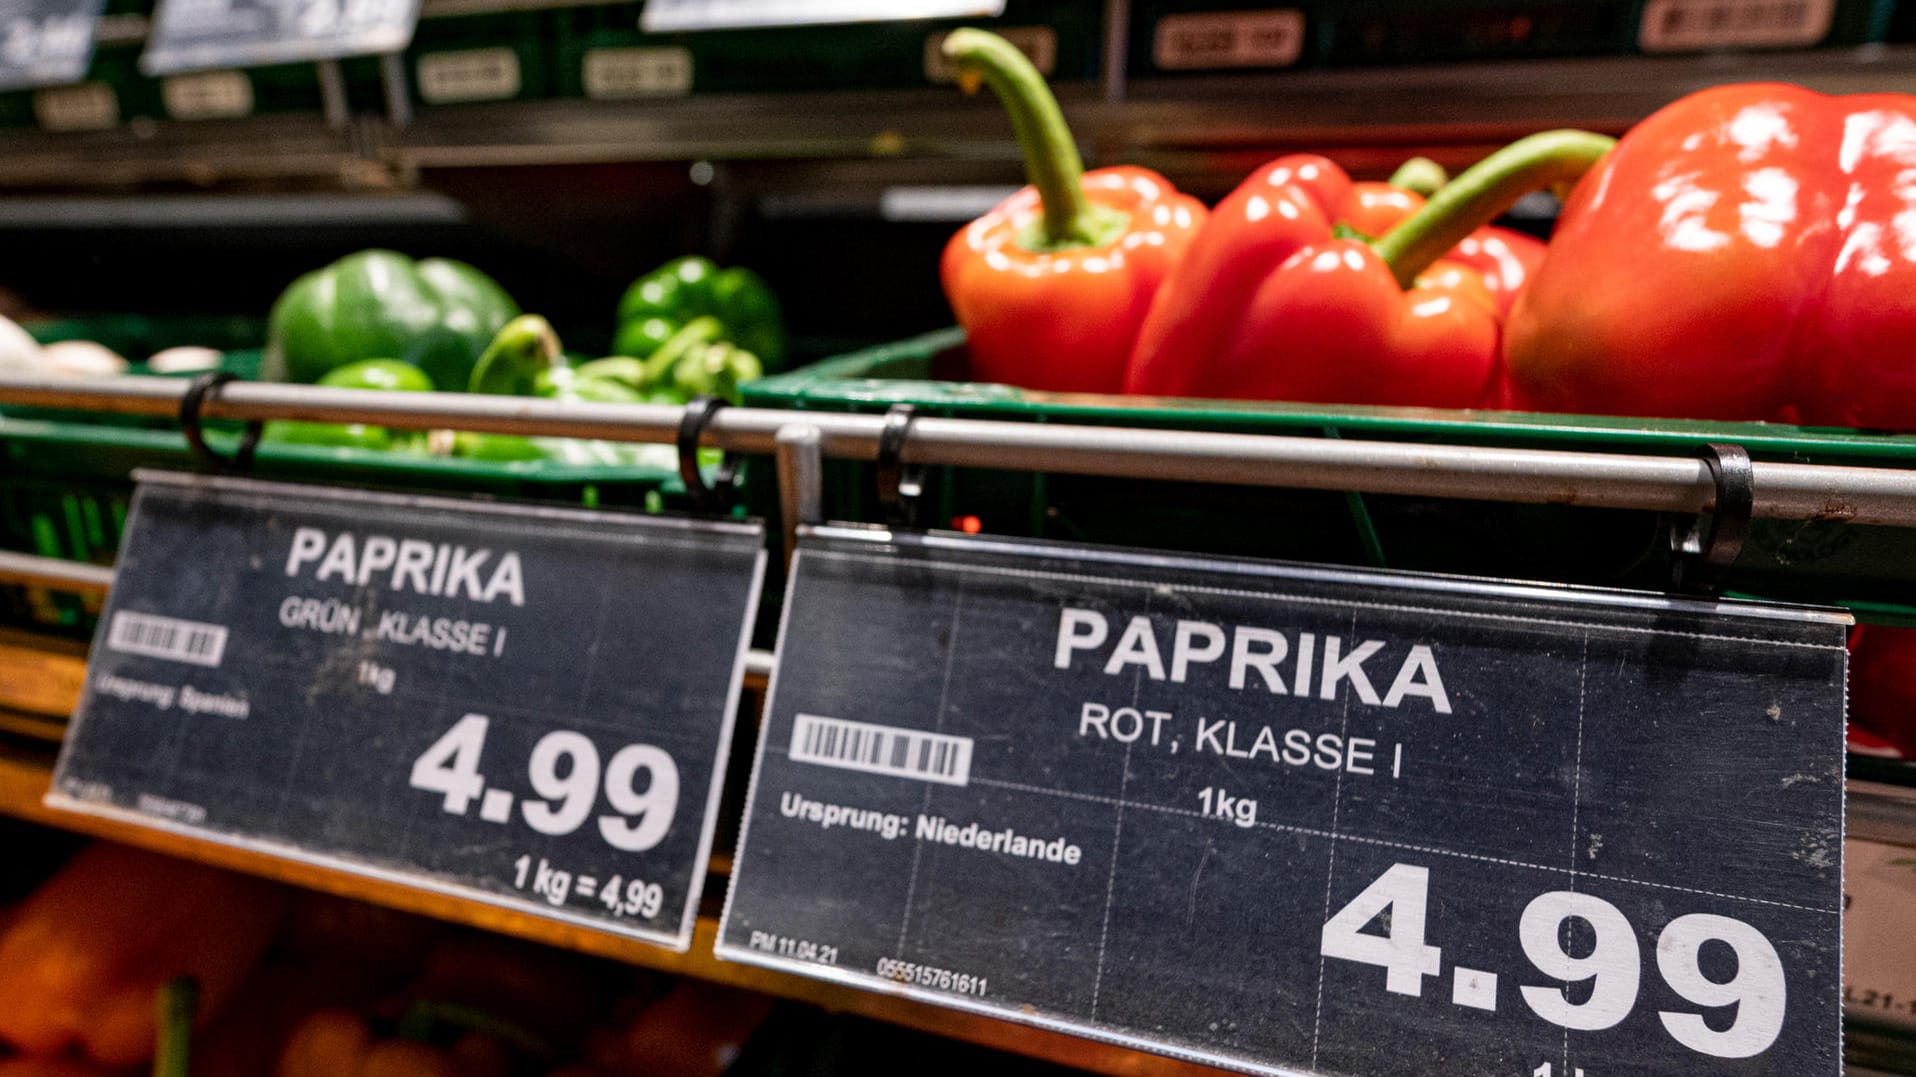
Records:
x=136, y=338
x=1871, y=568
x=602, y=53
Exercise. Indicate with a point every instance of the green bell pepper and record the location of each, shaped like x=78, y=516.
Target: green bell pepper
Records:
x=392, y=375
x=437, y=314
x=524, y=350
x=696, y=361
x=388, y=374
x=526, y=360
x=660, y=303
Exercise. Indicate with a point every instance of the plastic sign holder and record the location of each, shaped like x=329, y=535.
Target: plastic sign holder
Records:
x=662, y=16
x=46, y=42
x=1292, y=819
x=197, y=35
x=519, y=705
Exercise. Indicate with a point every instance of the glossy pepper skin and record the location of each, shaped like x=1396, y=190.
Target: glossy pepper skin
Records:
x=659, y=304
x=437, y=314
x=1272, y=303
x=1882, y=683
x=1052, y=285
x=1745, y=253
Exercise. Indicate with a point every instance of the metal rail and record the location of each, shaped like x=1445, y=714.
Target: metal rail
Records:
x=79, y=578
x=74, y=577
x=1607, y=480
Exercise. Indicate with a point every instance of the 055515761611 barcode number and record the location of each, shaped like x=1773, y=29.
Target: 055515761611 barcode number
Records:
x=905, y=972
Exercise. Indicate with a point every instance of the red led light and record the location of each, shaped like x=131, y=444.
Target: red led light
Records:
x=970, y=525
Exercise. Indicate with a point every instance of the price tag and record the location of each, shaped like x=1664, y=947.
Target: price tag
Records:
x=1695, y=25
x=519, y=705
x=448, y=78
x=46, y=42
x=194, y=35
x=86, y=106
x=1038, y=43
x=1289, y=819
x=616, y=74
x=661, y=16
x=207, y=95
x=1210, y=40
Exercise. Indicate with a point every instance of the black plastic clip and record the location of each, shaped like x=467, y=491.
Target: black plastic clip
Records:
x=714, y=497
x=197, y=391
x=899, y=483
x=1702, y=553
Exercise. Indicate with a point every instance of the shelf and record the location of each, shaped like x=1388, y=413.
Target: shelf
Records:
x=1210, y=127
x=24, y=777
x=39, y=674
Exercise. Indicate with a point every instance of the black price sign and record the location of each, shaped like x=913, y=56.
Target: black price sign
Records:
x=523, y=705
x=1290, y=819
x=46, y=42
x=193, y=35
x=661, y=16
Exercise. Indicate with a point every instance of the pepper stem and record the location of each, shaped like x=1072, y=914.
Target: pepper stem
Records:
x=1483, y=192
x=173, y=1011
x=511, y=364
x=1421, y=175
x=1052, y=164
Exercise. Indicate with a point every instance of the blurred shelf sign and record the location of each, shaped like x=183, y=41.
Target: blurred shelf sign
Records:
x=1290, y=819
x=46, y=42
x=196, y=35
x=466, y=698
x=661, y=16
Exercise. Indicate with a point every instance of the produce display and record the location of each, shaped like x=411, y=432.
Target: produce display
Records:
x=1052, y=285
x=1882, y=685
x=1744, y=254
x=1274, y=302
x=733, y=305
x=436, y=314
x=1734, y=256
x=1747, y=253
x=259, y=981
x=378, y=320
x=83, y=958
x=526, y=359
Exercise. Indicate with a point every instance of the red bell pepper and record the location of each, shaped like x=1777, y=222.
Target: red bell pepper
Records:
x=80, y=965
x=1270, y=303
x=1746, y=253
x=1052, y=285
x=1882, y=684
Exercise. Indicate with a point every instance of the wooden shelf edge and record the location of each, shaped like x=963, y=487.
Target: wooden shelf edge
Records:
x=25, y=778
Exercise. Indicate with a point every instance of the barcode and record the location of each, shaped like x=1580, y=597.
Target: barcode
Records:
x=878, y=749
x=167, y=637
